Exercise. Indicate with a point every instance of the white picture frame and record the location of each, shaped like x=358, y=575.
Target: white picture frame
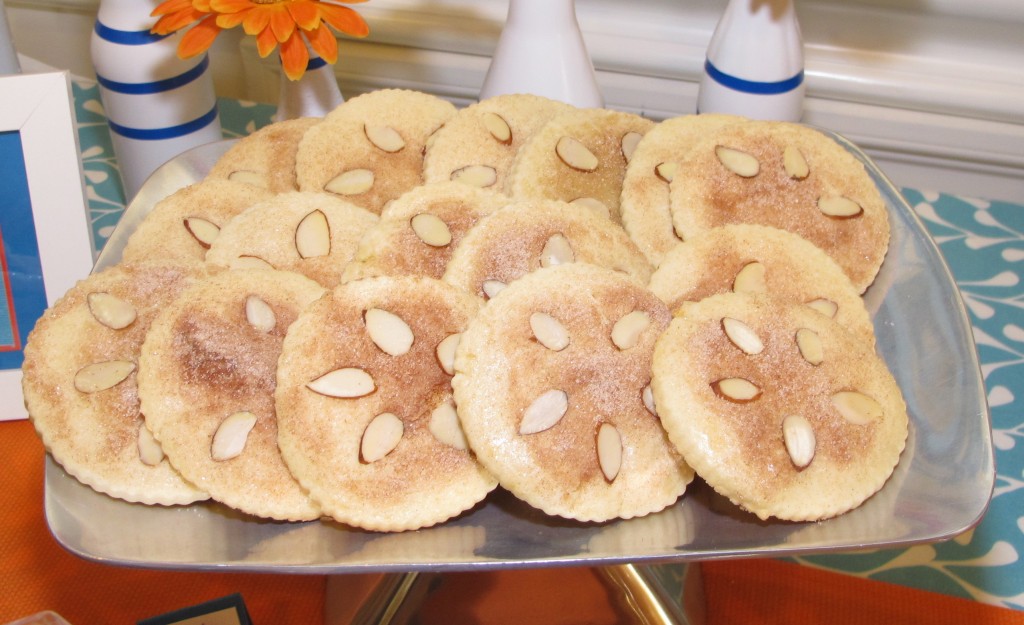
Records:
x=42, y=210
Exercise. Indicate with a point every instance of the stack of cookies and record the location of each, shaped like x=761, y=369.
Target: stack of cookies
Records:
x=380, y=316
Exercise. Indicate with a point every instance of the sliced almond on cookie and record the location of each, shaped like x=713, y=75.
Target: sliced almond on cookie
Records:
x=629, y=142
x=557, y=251
x=380, y=437
x=351, y=182
x=259, y=314
x=573, y=153
x=809, y=344
x=737, y=161
x=111, y=311
x=445, y=352
x=627, y=330
x=856, y=407
x=839, y=207
x=445, y=426
x=736, y=390
x=742, y=336
x=388, y=331
x=497, y=126
x=798, y=436
x=385, y=138
x=344, y=383
x=794, y=163
x=231, y=435
x=545, y=411
x=99, y=376
x=549, y=331
x=150, y=451
x=247, y=176
x=480, y=176
x=431, y=229
x=202, y=230
x=824, y=306
x=750, y=279
x=609, y=451
x=313, y=235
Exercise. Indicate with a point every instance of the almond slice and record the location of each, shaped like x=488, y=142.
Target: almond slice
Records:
x=259, y=314
x=247, y=261
x=150, y=451
x=388, y=331
x=576, y=155
x=824, y=306
x=856, y=407
x=666, y=171
x=798, y=435
x=231, y=435
x=809, y=344
x=557, y=251
x=254, y=178
x=794, y=163
x=647, y=395
x=491, y=288
x=545, y=411
x=736, y=390
x=313, y=235
x=384, y=137
x=549, y=331
x=380, y=437
x=742, y=336
x=445, y=426
x=202, y=230
x=480, y=176
x=627, y=330
x=351, y=182
x=498, y=127
x=345, y=383
x=839, y=207
x=594, y=204
x=99, y=376
x=609, y=451
x=446, y=352
x=750, y=279
x=111, y=311
x=629, y=142
x=738, y=162
x=431, y=229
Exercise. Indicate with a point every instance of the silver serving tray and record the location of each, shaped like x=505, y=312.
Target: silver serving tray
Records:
x=941, y=487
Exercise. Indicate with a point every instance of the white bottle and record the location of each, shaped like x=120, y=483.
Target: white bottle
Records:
x=314, y=95
x=157, y=104
x=755, y=62
x=541, y=51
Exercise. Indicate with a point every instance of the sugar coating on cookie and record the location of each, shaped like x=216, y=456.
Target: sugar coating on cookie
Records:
x=183, y=225
x=315, y=234
x=788, y=176
x=369, y=150
x=579, y=156
x=418, y=232
x=777, y=407
x=206, y=385
x=644, y=202
x=530, y=234
x=364, y=402
x=79, y=381
x=748, y=258
x=478, y=146
x=550, y=383
x=265, y=158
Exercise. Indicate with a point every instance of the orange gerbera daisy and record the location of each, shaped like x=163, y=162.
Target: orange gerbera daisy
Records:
x=290, y=23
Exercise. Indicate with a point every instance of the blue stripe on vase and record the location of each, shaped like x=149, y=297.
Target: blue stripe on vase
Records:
x=752, y=86
x=157, y=86
x=170, y=132
x=315, y=63
x=126, y=37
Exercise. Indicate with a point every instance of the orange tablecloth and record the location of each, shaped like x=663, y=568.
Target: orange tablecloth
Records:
x=36, y=574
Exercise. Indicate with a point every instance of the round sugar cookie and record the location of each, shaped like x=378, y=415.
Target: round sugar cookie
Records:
x=579, y=156
x=418, y=232
x=777, y=407
x=644, y=201
x=761, y=259
x=789, y=176
x=79, y=382
x=184, y=224
x=550, y=384
x=479, y=144
x=530, y=234
x=364, y=404
x=266, y=157
x=206, y=383
x=369, y=150
x=314, y=234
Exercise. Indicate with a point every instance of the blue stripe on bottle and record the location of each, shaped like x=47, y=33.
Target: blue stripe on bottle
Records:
x=157, y=86
x=126, y=37
x=315, y=63
x=752, y=86
x=170, y=132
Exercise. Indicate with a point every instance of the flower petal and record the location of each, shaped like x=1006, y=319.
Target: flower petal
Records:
x=231, y=6
x=256, y=21
x=294, y=56
x=199, y=38
x=344, y=19
x=174, y=22
x=305, y=14
x=323, y=42
x=265, y=42
x=171, y=6
x=281, y=23
x=230, y=20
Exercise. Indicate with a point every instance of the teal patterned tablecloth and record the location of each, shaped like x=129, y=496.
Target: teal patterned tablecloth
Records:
x=983, y=242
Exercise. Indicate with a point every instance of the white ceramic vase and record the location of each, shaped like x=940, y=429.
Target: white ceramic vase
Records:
x=157, y=104
x=755, y=62
x=313, y=95
x=541, y=51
